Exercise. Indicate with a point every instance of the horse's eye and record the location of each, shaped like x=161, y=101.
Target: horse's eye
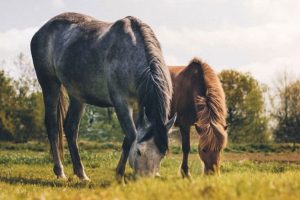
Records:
x=199, y=129
x=204, y=150
x=138, y=152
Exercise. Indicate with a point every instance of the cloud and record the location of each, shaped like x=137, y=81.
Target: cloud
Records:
x=267, y=37
x=259, y=49
x=58, y=3
x=268, y=71
x=270, y=10
x=171, y=60
x=13, y=42
x=260, y=36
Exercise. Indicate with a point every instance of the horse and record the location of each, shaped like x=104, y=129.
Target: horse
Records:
x=104, y=64
x=199, y=100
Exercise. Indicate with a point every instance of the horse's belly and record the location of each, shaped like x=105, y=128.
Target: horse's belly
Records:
x=89, y=90
x=96, y=101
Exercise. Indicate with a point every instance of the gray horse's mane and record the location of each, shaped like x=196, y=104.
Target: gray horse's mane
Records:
x=154, y=84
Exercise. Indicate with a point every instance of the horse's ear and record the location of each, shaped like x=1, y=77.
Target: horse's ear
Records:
x=146, y=135
x=171, y=122
x=226, y=127
x=146, y=120
x=142, y=119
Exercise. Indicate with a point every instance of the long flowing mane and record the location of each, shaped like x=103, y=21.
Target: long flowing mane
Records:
x=154, y=84
x=211, y=109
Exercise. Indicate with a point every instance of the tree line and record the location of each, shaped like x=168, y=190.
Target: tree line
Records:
x=255, y=114
x=21, y=105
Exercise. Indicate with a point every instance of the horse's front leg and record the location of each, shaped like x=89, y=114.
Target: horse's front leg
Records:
x=124, y=115
x=71, y=127
x=185, y=138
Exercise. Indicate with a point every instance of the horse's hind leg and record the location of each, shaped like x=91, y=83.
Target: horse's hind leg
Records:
x=71, y=127
x=51, y=92
x=185, y=135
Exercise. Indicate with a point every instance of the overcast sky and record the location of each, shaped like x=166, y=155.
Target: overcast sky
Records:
x=257, y=36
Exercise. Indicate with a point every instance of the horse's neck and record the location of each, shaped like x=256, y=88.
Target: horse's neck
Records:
x=175, y=69
x=185, y=92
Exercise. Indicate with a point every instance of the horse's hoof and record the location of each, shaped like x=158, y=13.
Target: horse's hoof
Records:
x=186, y=175
x=85, y=178
x=120, y=179
x=62, y=177
x=157, y=175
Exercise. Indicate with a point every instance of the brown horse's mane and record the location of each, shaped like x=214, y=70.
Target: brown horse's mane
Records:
x=211, y=109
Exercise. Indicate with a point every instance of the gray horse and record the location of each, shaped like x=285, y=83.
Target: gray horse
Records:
x=116, y=65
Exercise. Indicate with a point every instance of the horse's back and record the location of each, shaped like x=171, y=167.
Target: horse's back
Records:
x=176, y=69
x=86, y=55
x=65, y=29
x=86, y=23
x=52, y=39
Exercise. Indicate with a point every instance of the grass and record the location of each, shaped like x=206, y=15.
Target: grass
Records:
x=26, y=173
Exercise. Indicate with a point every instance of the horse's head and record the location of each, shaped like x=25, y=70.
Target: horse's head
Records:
x=211, y=143
x=146, y=154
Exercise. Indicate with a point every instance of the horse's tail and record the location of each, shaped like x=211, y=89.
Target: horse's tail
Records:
x=61, y=115
x=211, y=108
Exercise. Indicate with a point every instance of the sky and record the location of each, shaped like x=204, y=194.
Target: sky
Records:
x=257, y=36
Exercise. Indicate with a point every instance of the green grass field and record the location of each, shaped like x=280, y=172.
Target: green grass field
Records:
x=26, y=173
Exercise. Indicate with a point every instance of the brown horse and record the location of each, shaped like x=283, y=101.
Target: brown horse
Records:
x=199, y=100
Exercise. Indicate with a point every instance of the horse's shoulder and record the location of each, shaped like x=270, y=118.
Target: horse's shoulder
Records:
x=126, y=28
x=124, y=23
x=133, y=19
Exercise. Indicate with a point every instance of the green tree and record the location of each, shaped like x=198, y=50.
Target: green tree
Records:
x=21, y=104
x=29, y=117
x=7, y=94
x=246, y=107
x=287, y=112
x=29, y=108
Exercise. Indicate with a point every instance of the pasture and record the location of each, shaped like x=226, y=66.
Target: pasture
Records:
x=109, y=61
x=248, y=172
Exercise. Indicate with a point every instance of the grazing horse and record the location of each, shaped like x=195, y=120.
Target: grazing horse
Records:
x=199, y=100
x=104, y=64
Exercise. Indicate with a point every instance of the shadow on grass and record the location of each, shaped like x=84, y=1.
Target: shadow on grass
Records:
x=14, y=180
